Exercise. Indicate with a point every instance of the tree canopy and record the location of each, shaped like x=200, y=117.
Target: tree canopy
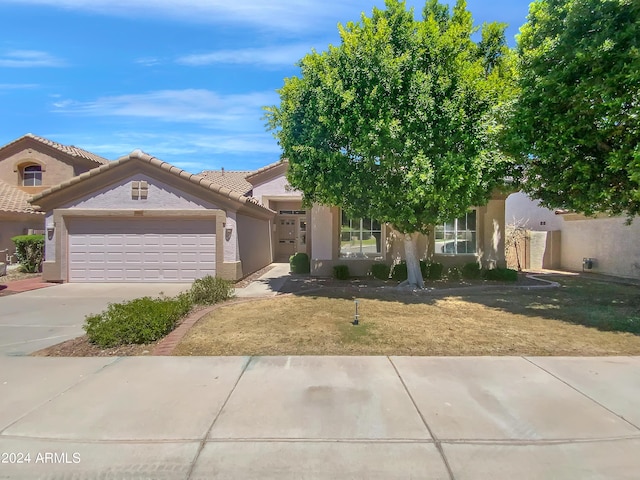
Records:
x=396, y=122
x=575, y=126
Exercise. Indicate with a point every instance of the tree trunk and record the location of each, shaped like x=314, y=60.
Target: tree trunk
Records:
x=414, y=275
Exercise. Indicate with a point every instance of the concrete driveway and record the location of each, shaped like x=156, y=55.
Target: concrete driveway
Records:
x=37, y=319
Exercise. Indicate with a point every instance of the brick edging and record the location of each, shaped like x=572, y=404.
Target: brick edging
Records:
x=167, y=345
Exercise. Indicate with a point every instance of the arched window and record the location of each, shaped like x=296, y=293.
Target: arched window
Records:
x=32, y=176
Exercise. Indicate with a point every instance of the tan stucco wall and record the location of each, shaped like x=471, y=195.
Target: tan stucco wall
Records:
x=13, y=225
x=54, y=172
x=614, y=245
x=254, y=241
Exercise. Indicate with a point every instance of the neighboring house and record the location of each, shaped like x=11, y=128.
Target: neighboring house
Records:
x=29, y=165
x=141, y=219
x=565, y=239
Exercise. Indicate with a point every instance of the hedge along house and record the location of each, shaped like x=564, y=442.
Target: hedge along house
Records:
x=330, y=238
x=139, y=219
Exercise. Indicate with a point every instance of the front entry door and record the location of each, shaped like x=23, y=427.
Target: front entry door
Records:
x=291, y=235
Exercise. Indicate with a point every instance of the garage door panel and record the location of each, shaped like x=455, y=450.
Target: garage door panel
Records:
x=141, y=250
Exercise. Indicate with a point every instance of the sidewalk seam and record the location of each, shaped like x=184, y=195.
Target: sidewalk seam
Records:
x=436, y=440
x=582, y=393
x=59, y=394
x=203, y=442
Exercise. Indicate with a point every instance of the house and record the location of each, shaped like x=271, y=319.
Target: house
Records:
x=331, y=238
x=566, y=240
x=29, y=165
x=139, y=219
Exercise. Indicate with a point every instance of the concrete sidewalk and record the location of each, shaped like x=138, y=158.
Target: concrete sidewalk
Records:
x=320, y=417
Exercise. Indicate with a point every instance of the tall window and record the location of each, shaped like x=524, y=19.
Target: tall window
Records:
x=457, y=236
x=360, y=237
x=32, y=176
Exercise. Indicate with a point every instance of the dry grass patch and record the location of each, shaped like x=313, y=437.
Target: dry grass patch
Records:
x=506, y=323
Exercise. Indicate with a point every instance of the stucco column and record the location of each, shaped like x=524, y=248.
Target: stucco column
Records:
x=321, y=239
x=231, y=246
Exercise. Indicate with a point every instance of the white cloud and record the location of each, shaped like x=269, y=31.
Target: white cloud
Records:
x=284, y=55
x=290, y=15
x=18, y=86
x=204, y=107
x=29, y=59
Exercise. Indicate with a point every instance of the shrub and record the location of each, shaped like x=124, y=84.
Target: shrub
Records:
x=454, y=274
x=501, y=274
x=341, y=272
x=400, y=270
x=471, y=271
x=29, y=252
x=209, y=290
x=380, y=271
x=142, y=320
x=299, y=263
x=434, y=271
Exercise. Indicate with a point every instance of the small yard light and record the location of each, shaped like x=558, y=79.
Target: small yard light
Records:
x=356, y=318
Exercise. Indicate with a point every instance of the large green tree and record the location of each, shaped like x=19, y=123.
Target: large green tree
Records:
x=576, y=123
x=396, y=122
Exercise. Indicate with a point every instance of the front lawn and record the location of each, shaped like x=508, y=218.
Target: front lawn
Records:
x=583, y=317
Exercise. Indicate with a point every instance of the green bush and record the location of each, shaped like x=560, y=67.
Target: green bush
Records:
x=142, y=320
x=299, y=263
x=400, y=270
x=454, y=274
x=341, y=272
x=471, y=271
x=30, y=252
x=380, y=271
x=434, y=271
x=501, y=274
x=209, y=290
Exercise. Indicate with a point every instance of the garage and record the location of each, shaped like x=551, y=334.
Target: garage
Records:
x=141, y=249
x=139, y=219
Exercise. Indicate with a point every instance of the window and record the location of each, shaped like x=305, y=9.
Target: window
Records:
x=32, y=176
x=457, y=236
x=361, y=237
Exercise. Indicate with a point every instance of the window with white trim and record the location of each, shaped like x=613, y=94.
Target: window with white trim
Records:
x=360, y=237
x=457, y=237
x=32, y=176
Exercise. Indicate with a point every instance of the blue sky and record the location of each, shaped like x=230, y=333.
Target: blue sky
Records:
x=184, y=80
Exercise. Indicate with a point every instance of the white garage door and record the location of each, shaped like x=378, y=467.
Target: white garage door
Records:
x=141, y=250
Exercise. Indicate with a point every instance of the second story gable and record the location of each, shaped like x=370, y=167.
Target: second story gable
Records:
x=33, y=163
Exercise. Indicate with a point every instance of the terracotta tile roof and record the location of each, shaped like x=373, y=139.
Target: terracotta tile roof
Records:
x=14, y=200
x=69, y=150
x=233, y=180
x=271, y=166
x=139, y=155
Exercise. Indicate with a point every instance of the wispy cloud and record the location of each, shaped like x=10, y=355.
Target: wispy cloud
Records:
x=283, y=55
x=18, y=86
x=290, y=15
x=204, y=107
x=192, y=151
x=29, y=59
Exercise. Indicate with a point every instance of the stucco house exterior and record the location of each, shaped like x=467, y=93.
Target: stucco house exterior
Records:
x=565, y=239
x=29, y=165
x=139, y=219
